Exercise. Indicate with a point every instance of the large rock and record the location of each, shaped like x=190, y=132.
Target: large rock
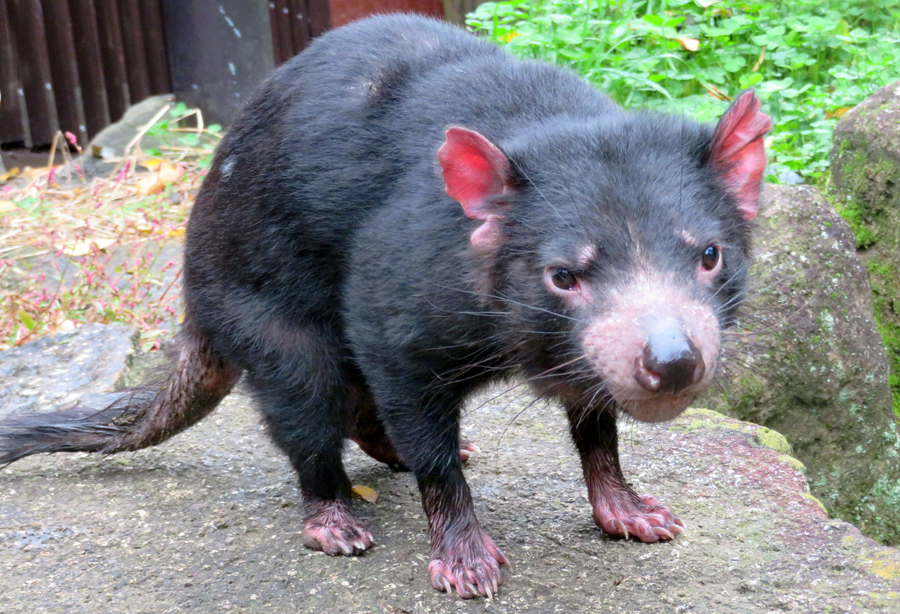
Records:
x=54, y=372
x=210, y=522
x=865, y=167
x=807, y=361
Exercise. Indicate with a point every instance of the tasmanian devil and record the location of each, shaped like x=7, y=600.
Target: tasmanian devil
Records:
x=404, y=213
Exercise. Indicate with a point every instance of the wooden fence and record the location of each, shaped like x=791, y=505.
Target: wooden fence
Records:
x=77, y=65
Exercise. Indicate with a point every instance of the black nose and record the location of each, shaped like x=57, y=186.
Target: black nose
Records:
x=670, y=362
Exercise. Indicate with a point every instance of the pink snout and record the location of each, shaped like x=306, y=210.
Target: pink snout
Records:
x=655, y=350
x=670, y=360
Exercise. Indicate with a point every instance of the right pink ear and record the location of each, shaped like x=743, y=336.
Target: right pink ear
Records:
x=738, y=152
x=474, y=171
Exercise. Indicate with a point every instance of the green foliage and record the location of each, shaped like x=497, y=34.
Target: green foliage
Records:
x=809, y=60
x=857, y=218
x=181, y=132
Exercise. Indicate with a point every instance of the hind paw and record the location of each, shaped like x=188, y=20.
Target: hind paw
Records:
x=334, y=529
x=467, y=449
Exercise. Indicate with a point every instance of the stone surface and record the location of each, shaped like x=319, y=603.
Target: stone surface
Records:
x=54, y=372
x=112, y=140
x=865, y=167
x=210, y=522
x=807, y=360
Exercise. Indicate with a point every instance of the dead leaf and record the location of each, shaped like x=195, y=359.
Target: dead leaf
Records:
x=81, y=248
x=691, y=44
x=837, y=113
x=178, y=232
x=369, y=494
x=32, y=173
x=167, y=173
x=7, y=205
x=10, y=174
x=717, y=93
x=149, y=185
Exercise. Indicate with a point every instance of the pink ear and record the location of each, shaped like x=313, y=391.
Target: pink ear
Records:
x=474, y=169
x=738, y=152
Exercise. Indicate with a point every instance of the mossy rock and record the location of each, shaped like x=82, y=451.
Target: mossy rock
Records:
x=865, y=163
x=808, y=361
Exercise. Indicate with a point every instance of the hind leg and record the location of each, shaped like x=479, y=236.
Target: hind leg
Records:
x=305, y=397
x=367, y=430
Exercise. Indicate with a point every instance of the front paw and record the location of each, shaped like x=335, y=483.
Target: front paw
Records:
x=470, y=564
x=628, y=515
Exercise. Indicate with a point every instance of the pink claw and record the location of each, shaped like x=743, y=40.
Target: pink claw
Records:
x=334, y=529
x=663, y=534
x=622, y=514
x=467, y=449
x=471, y=565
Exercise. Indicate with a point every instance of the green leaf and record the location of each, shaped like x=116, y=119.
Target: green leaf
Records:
x=569, y=37
x=751, y=79
x=734, y=64
x=26, y=319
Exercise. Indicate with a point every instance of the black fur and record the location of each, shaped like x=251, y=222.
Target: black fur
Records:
x=325, y=259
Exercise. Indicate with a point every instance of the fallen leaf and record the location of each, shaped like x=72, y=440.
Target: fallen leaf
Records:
x=837, y=113
x=178, y=232
x=10, y=174
x=31, y=173
x=7, y=205
x=170, y=172
x=80, y=248
x=691, y=44
x=151, y=163
x=149, y=185
x=717, y=93
x=369, y=494
x=167, y=173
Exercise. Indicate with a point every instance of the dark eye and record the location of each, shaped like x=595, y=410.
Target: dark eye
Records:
x=564, y=279
x=710, y=258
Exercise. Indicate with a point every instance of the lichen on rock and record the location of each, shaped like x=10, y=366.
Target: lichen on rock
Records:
x=808, y=361
x=865, y=165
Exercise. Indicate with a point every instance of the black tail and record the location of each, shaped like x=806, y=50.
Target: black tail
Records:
x=198, y=379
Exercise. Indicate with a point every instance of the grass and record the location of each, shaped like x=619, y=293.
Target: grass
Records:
x=808, y=60
x=78, y=249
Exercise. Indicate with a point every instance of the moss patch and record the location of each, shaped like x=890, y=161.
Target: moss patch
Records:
x=867, y=194
x=809, y=497
x=885, y=566
x=793, y=462
x=771, y=439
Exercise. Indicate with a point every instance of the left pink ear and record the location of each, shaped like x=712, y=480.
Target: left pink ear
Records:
x=738, y=152
x=475, y=170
